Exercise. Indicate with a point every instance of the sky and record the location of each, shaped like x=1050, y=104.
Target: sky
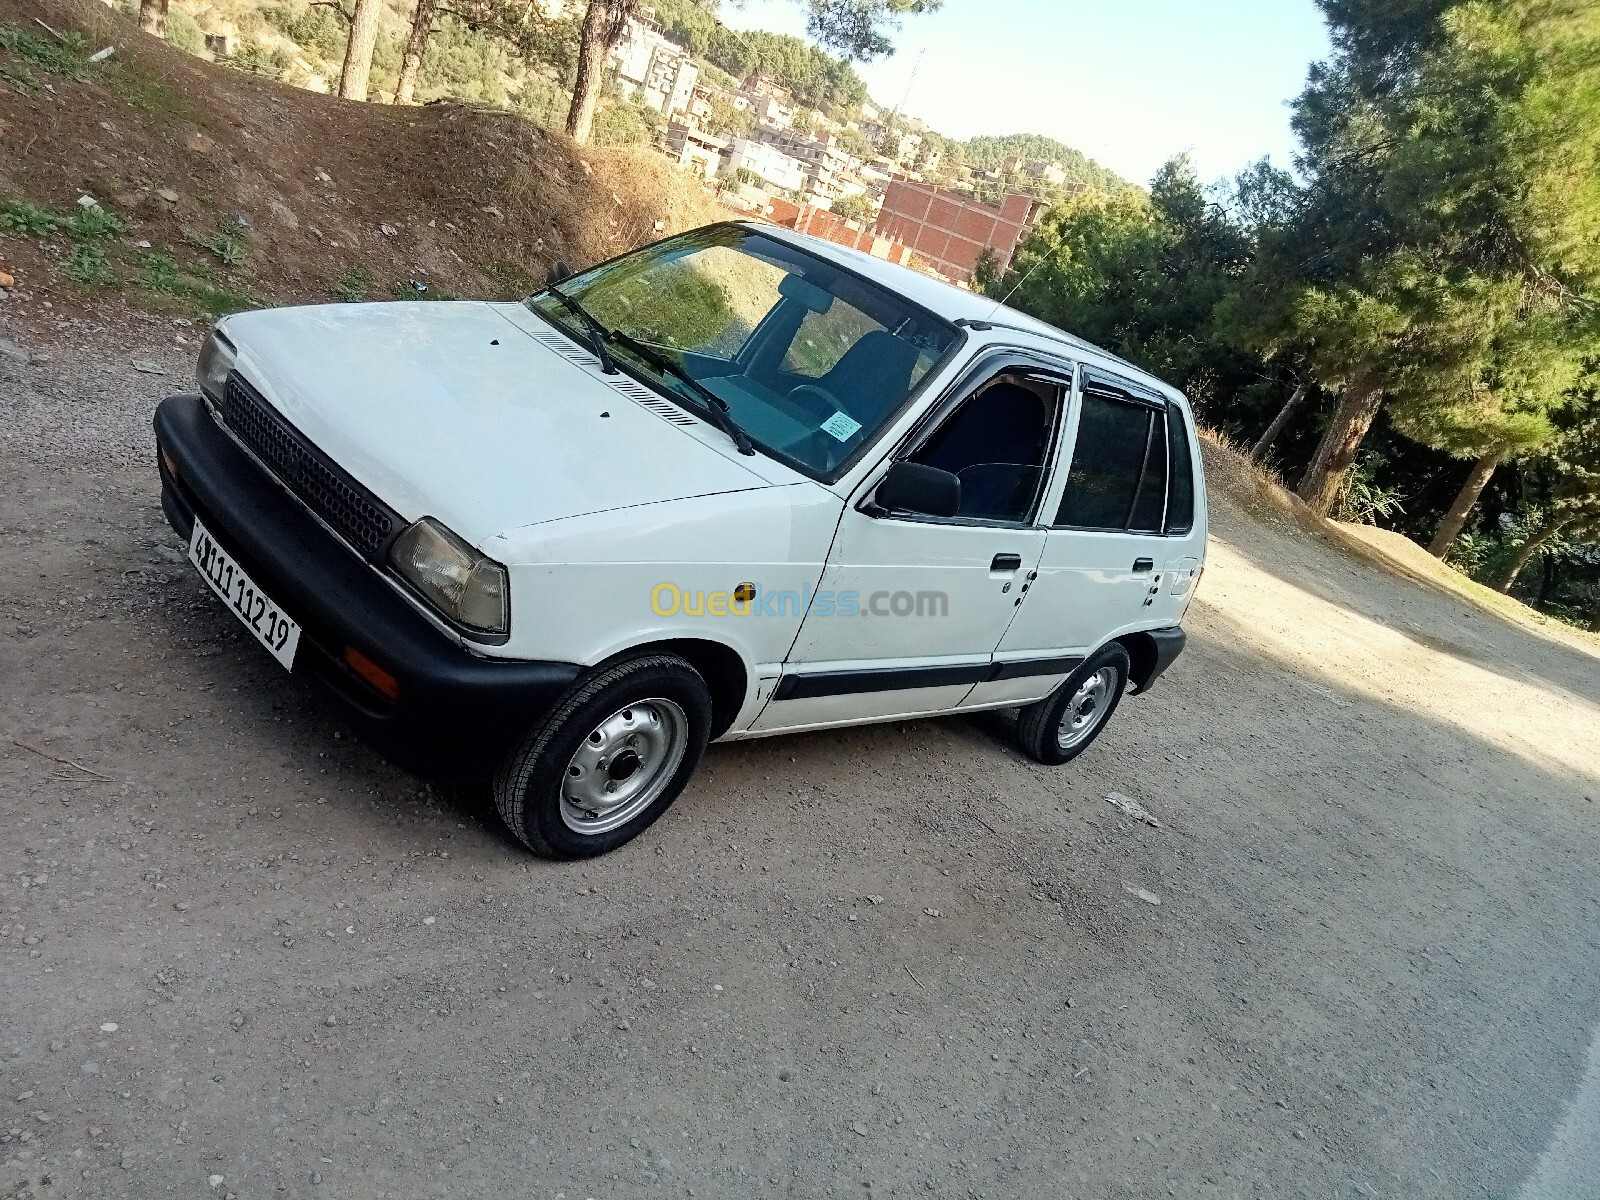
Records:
x=1128, y=82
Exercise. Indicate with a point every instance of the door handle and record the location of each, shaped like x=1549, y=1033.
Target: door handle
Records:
x=1006, y=562
x=1141, y=565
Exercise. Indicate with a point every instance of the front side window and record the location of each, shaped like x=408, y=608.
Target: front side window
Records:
x=810, y=360
x=998, y=445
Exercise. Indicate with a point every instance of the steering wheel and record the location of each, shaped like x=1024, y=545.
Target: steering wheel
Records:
x=817, y=400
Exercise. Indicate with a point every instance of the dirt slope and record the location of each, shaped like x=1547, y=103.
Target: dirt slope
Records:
x=474, y=202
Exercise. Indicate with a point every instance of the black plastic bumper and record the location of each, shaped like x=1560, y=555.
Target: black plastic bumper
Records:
x=458, y=714
x=1167, y=644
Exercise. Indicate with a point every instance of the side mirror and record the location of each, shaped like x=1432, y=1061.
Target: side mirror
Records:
x=558, y=271
x=915, y=488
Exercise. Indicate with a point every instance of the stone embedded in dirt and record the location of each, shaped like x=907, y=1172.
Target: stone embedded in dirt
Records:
x=198, y=142
x=322, y=175
x=14, y=352
x=388, y=230
x=1147, y=896
x=862, y=1128
x=215, y=1180
x=330, y=1020
x=109, y=1027
x=167, y=194
x=7, y=280
x=1132, y=808
x=88, y=201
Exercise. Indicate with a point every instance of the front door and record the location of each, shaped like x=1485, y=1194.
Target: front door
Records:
x=910, y=607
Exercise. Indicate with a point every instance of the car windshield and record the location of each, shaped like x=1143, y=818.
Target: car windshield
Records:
x=810, y=360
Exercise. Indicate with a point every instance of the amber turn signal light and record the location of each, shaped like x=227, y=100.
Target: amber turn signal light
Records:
x=372, y=672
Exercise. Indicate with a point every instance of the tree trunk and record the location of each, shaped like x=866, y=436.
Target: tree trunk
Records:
x=1357, y=409
x=153, y=17
x=603, y=23
x=1259, y=450
x=1594, y=625
x=358, y=50
x=1456, y=519
x=416, y=47
x=1536, y=542
x=1551, y=569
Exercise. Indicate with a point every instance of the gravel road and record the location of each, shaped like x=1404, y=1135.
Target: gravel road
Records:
x=243, y=956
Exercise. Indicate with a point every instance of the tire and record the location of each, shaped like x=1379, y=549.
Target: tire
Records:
x=609, y=759
x=1066, y=722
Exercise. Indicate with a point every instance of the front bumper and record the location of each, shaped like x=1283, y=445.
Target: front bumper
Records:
x=458, y=715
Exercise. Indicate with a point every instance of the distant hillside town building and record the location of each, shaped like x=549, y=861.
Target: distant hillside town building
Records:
x=948, y=230
x=696, y=151
x=767, y=163
x=819, y=222
x=655, y=68
x=829, y=170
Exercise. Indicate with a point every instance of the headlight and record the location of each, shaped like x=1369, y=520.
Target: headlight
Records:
x=461, y=583
x=216, y=360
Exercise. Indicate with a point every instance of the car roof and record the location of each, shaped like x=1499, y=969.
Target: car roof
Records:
x=946, y=300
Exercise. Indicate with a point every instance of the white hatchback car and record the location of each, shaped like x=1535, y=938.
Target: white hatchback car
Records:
x=737, y=483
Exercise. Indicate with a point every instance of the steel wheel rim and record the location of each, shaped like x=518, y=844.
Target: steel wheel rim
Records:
x=623, y=765
x=1087, y=709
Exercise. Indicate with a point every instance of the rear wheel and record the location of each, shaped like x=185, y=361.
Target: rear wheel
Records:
x=608, y=760
x=1062, y=725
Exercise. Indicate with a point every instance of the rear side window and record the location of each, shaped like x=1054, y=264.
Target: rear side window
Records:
x=1180, y=501
x=1130, y=470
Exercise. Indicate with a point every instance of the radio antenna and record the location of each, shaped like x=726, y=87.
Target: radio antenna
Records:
x=999, y=304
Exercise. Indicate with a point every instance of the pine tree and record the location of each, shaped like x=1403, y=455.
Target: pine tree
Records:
x=358, y=49
x=1454, y=152
x=1571, y=469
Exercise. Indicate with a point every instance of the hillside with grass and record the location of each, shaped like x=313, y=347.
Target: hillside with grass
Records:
x=188, y=186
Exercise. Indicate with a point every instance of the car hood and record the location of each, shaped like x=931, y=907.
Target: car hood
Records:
x=478, y=414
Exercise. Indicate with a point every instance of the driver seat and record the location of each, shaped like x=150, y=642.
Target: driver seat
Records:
x=872, y=376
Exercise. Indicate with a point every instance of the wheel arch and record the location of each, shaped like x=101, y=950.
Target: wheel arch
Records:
x=1143, y=658
x=720, y=665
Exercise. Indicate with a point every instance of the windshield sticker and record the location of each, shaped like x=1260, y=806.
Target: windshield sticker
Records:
x=841, y=426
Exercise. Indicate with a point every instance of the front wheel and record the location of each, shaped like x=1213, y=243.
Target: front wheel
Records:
x=1061, y=726
x=608, y=760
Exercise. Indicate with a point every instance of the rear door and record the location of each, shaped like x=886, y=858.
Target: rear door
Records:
x=1119, y=550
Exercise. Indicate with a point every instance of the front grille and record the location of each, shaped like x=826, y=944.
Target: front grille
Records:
x=353, y=512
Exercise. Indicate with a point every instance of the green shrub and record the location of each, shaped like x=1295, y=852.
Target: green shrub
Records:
x=222, y=245
x=184, y=32
x=258, y=58
x=64, y=57
x=352, y=286
x=159, y=272
x=87, y=264
x=31, y=220
x=313, y=29
x=91, y=223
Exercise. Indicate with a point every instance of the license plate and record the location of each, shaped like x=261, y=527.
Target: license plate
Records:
x=249, y=603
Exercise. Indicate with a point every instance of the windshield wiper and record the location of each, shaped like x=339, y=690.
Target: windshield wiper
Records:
x=720, y=413
x=597, y=332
